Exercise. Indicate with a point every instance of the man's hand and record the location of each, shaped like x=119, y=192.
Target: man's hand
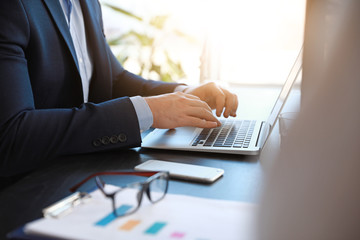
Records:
x=216, y=97
x=179, y=109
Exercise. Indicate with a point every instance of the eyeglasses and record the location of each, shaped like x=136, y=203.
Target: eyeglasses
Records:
x=127, y=199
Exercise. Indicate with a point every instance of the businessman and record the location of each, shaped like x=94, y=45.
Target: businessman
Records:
x=63, y=92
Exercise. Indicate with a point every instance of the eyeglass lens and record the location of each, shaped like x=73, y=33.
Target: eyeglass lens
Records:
x=128, y=199
x=158, y=188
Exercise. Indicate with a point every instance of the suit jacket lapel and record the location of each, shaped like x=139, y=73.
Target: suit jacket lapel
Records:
x=100, y=86
x=59, y=18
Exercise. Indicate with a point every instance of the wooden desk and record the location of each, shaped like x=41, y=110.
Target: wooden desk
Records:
x=23, y=201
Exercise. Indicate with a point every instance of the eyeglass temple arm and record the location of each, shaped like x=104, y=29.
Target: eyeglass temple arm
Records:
x=141, y=173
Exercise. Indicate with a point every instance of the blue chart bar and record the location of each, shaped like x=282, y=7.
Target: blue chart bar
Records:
x=109, y=218
x=155, y=228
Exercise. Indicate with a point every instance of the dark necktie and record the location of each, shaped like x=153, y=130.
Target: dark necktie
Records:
x=68, y=9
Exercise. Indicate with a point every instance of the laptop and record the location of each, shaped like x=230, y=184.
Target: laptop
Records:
x=234, y=136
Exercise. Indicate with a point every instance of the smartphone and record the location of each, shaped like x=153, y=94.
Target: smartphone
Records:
x=183, y=171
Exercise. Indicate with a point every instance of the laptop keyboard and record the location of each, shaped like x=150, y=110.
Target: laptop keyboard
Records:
x=231, y=133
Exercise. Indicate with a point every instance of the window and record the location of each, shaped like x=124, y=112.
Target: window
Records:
x=235, y=41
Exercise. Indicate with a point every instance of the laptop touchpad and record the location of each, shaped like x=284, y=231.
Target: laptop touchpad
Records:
x=174, y=137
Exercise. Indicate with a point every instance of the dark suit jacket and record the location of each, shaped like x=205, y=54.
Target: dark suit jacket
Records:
x=42, y=114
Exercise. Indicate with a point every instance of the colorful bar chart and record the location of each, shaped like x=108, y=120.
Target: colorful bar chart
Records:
x=131, y=224
x=155, y=228
x=111, y=217
x=177, y=217
x=177, y=235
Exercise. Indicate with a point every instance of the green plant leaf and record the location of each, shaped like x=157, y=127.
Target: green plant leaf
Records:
x=115, y=41
x=123, y=11
x=184, y=35
x=166, y=77
x=122, y=58
x=167, y=71
x=176, y=68
x=156, y=68
x=159, y=21
x=143, y=39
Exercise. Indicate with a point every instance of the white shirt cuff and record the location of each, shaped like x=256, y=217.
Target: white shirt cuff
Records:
x=180, y=88
x=143, y=112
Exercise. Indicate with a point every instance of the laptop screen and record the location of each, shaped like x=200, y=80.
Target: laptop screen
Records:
x=284, y=93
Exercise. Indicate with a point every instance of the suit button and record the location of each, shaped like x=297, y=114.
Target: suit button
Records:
x=114, y=139
x=122, y=137
x=105, y=140
x=97, y=142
